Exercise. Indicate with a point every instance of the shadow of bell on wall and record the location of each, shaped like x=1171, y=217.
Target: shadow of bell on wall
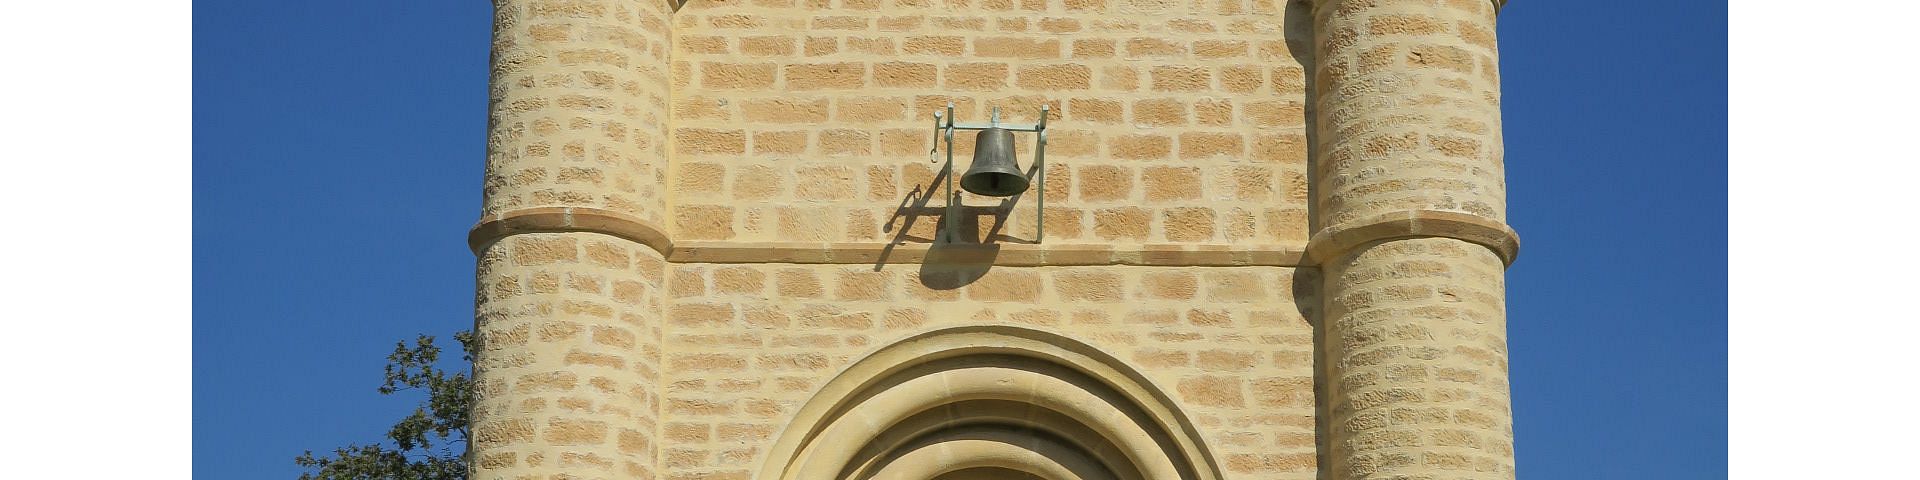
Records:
x=950, y=262
x=948, y=266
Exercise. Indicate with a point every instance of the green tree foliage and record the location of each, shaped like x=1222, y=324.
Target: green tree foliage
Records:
x=430, y=444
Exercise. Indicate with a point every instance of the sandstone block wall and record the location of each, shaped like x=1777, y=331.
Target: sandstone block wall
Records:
x=1173, y=122
x=578, y=106
x=747, y=345
x=677, y=249
x=1409, y=95
x=1414, y=344
x=569, y=373
x=1414, y=337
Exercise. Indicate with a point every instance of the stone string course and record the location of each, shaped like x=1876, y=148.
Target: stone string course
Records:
x=695, y=219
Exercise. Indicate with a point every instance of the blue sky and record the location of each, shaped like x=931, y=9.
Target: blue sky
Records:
x=338, y=149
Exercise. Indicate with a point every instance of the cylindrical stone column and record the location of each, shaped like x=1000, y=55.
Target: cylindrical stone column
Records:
x=1412, y=240
x=567, y=307
x=577, y=107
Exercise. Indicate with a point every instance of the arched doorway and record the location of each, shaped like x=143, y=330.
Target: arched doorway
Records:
x=968, y=401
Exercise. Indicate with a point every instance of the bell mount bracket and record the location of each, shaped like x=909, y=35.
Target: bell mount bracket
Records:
x=944, y=125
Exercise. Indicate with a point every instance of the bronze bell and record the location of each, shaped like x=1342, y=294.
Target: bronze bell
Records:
x=994, y=173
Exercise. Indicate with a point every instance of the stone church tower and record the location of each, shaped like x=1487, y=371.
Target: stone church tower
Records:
x=1272, y=245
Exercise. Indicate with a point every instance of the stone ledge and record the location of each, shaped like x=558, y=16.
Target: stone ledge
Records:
x=1497, y=5
x=494, y=227
x=1018, y=255
x=1331, y=242
x=582, y=219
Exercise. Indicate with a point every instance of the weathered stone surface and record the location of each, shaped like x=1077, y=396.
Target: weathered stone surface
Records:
x=668, y=302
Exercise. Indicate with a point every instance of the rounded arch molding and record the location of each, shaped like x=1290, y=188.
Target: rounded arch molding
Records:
x=997, y=396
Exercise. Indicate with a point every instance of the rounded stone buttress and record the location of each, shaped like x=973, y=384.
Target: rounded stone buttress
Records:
x=567, y=315
x=577, y=108
x=1411, y=239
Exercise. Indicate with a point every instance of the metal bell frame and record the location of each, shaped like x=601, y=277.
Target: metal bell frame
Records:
x=951, y=220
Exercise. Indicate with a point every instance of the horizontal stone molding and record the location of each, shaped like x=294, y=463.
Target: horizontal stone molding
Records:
x=1326, y=244
x=592, y=220
x=1331, y=242
x=1018, y=255
x=494, y=227
x=1497, y=5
